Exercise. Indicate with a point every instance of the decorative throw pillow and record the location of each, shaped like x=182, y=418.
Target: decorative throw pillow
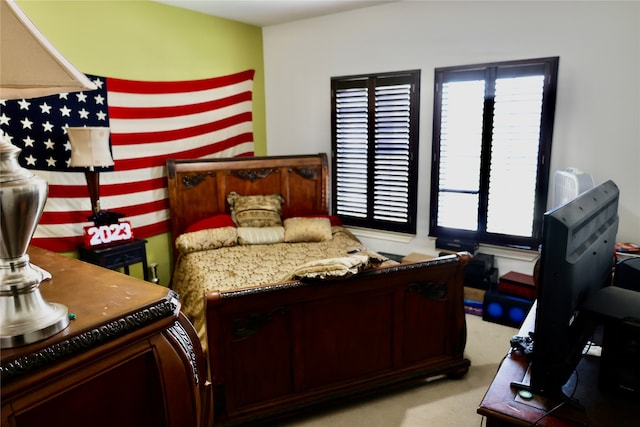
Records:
x=203, y=240
x=302, y=229
x=256, y=211
x=215, y=221
x=260, y=235
x=333, y=219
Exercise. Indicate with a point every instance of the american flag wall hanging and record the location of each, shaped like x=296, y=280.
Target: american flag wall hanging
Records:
x=149, y=122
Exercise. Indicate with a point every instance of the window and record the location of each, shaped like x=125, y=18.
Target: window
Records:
x=492, y=132
x=374, y=152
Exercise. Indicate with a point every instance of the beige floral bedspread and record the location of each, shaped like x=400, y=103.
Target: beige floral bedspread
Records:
x=236, y=267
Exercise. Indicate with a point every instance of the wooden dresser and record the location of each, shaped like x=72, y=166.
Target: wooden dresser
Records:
x=129, y=358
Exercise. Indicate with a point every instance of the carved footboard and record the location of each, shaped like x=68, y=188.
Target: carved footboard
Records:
x=277, y=349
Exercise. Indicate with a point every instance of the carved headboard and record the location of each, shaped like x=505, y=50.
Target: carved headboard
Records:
x=198, y=188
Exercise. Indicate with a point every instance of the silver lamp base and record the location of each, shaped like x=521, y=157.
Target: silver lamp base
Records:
x=25, y=317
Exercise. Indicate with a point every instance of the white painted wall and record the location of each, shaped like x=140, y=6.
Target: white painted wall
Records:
x=597, y=122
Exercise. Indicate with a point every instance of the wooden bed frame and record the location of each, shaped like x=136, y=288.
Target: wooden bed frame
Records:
x=284, y=347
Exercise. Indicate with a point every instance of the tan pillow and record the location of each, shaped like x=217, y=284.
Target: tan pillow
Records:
x=211, y=238
x=260, y=235
x=256, y=211
x=303, y=229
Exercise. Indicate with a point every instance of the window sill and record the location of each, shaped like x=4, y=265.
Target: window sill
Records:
x=509, y=253
x=382, y=235
x=503, y=252
x=525, y=255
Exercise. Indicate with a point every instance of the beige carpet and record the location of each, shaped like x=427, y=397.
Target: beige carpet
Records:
x=439, y=403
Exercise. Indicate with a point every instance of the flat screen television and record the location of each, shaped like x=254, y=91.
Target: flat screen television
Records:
x=577, y=259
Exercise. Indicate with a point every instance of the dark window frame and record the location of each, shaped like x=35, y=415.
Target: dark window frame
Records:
x=489, y=70
x=371, y=81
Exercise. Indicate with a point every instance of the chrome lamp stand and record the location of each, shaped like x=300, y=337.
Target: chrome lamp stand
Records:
x=25, y=317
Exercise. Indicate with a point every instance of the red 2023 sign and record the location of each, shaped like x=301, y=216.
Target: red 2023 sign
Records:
x=105, y=234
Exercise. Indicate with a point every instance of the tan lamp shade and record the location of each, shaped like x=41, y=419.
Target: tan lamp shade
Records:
x=90, y=147
x=30, y=66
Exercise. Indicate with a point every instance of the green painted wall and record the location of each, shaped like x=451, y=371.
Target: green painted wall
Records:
x=144, y=40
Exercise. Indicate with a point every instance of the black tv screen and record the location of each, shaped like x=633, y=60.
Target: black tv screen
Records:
x=577, y=259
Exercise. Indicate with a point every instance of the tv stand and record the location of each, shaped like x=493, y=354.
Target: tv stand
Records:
x=560, y=398
x=503, y=406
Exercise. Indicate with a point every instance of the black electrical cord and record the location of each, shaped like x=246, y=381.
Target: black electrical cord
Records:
x=549, y=412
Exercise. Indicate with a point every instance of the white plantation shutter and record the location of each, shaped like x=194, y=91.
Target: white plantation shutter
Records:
x=492, y=140
x=351, y=160
x=514, y=155
x=460, y=150
x=375, y=130
x=391, y=164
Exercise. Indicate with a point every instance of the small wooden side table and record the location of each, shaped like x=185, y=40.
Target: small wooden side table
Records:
x=121, y=255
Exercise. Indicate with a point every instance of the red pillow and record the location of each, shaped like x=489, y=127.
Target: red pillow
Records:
x=216, y=221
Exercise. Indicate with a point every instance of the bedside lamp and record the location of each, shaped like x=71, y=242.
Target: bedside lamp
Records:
x=30, y=67
x=90, y=149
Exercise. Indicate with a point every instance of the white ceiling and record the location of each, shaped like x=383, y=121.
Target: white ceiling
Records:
x=263, y=13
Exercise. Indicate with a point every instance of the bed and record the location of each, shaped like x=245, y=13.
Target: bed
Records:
x=304, y=335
